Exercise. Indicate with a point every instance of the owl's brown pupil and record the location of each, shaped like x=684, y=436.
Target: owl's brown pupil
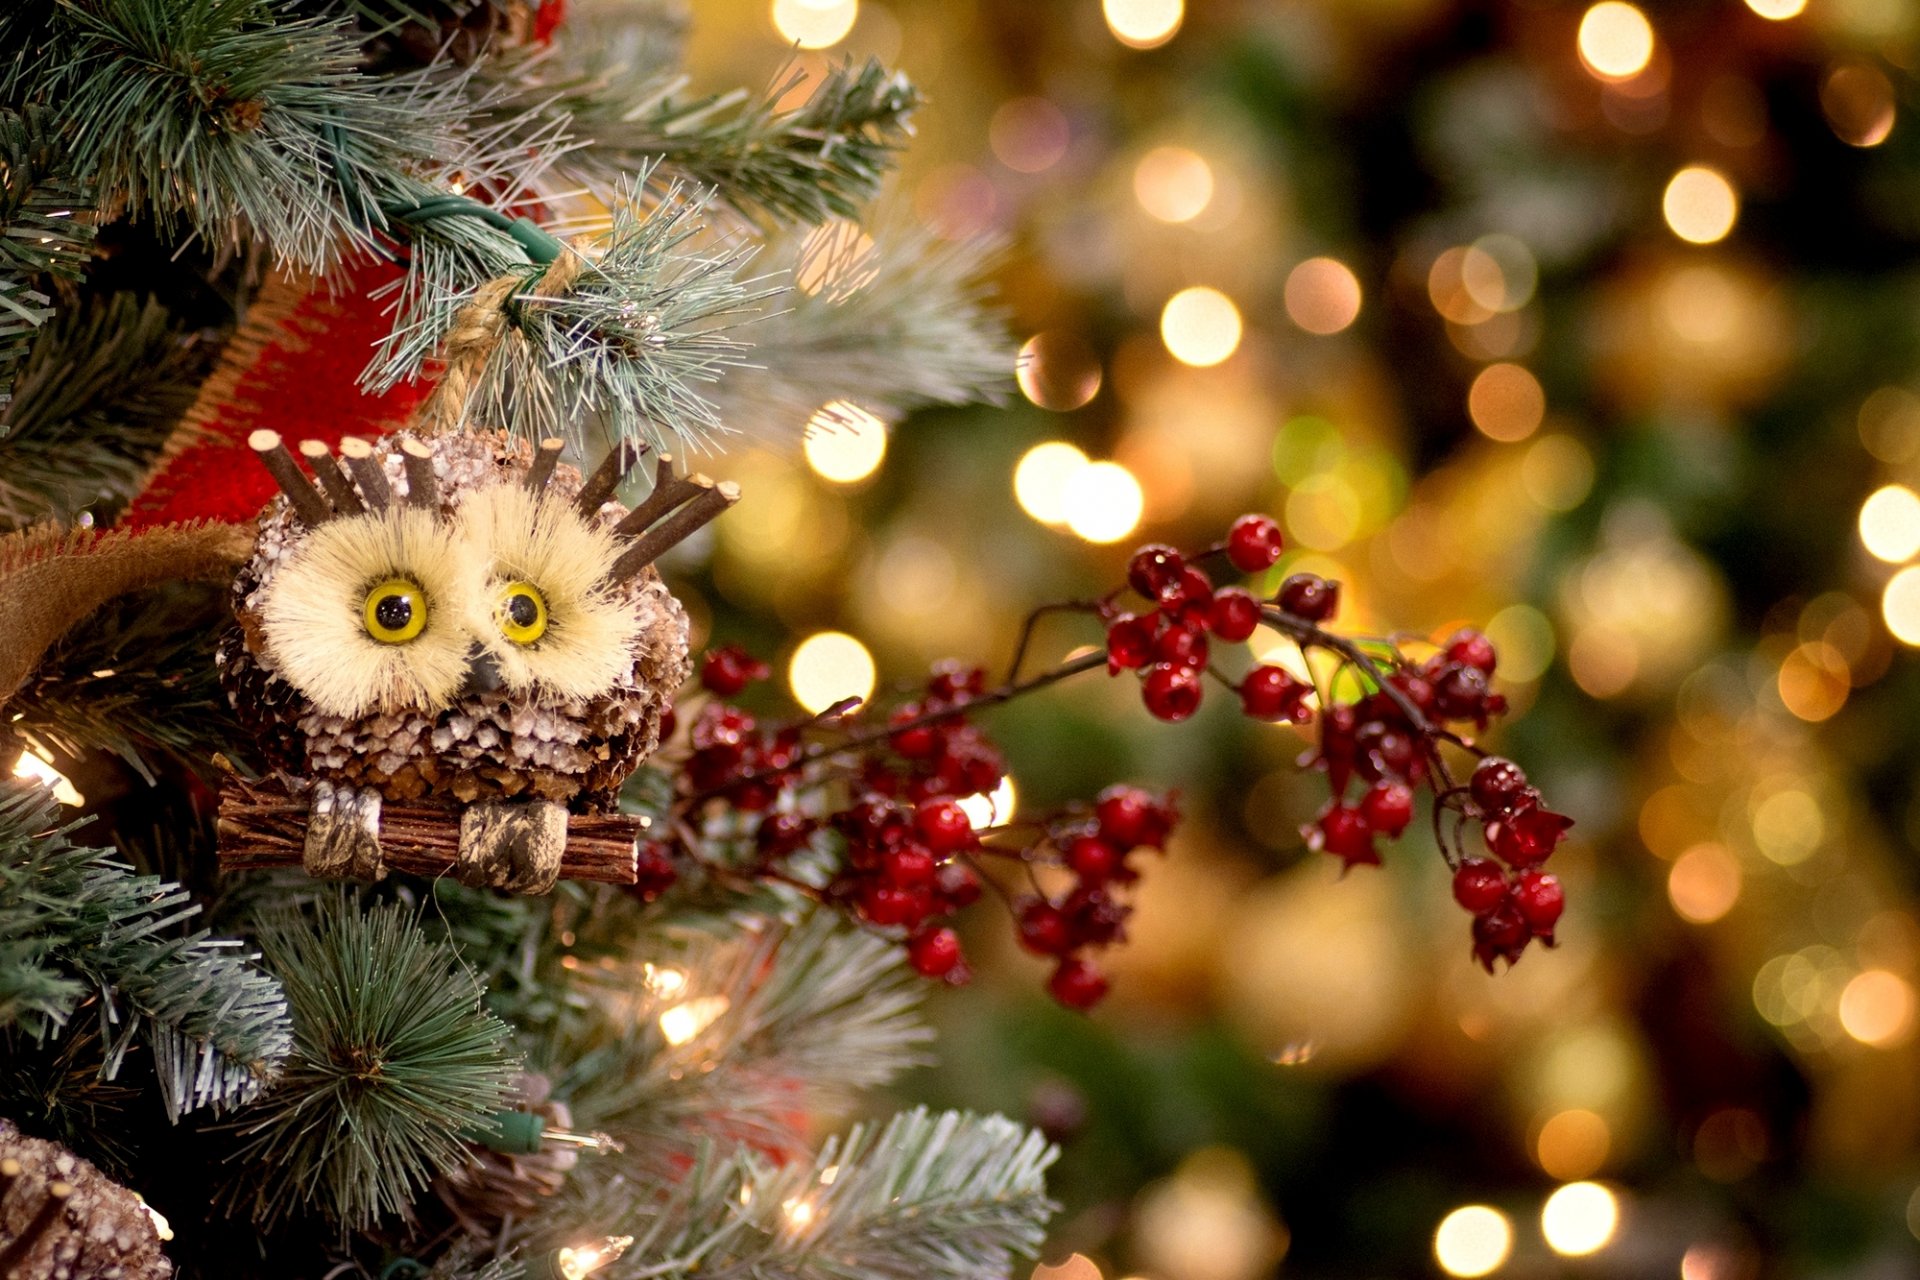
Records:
x=394, y=612
x=523, y=609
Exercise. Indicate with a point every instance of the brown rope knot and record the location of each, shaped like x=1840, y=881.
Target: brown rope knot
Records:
x=478, y=329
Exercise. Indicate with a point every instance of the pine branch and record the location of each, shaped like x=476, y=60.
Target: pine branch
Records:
x=231, y=120
x=930, y=1195
x=74, y=924
x=808, y=163
x=92, y=407
x=43, y=232
x=632, y=341
x=903, y=325
x=393, y=1057
x=802, y=1017
x=136, y=678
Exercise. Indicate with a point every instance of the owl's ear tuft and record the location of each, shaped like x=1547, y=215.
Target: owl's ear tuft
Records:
x=607, y=476
x=682, y=505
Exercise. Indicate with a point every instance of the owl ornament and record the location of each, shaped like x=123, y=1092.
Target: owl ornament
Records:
x=452, y=651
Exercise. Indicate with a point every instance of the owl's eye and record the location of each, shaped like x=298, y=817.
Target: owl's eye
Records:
x=396, y=610
x=522, y=612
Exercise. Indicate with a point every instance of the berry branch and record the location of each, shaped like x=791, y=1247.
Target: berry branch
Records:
x=891, y=819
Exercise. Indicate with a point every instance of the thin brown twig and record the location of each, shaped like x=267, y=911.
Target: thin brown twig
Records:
x=1033, y=620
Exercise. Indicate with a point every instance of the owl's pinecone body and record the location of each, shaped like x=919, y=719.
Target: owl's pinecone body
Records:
x=79, y=1223
x=492, y=744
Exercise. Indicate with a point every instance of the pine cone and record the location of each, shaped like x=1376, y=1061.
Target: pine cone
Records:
x=465, y=29
x=492, y=1185
x=62, y=1219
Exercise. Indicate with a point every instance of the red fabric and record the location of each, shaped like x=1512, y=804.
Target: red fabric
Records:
x=301, y=382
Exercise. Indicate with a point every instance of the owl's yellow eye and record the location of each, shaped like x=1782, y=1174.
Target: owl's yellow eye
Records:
x=522, y=612
x=396, y=610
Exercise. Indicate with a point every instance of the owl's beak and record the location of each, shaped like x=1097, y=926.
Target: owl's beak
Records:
x=483, y=673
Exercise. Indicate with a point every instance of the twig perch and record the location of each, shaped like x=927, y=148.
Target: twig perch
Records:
x=264, y=824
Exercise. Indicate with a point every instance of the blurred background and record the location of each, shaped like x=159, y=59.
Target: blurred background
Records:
x=1592, y=324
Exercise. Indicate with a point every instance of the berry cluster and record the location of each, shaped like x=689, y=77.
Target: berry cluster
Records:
x=875, y=813
x=1514, y=904
x=1167, y=643
x=1388, y=738
x=1095, y=849
x=875, y=824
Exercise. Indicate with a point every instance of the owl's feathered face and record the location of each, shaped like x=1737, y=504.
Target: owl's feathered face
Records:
x=404, y=609
x=462, y=617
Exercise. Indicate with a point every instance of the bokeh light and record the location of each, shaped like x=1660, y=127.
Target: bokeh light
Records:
x=1200, y=326
x=1473, y=1240
x=829, y=666
x=1704, y=883
x=1615, y=40
x=1029, y=135
x=1777, y=10
x=1057, y=370
x=684, y=1021
x=815, y=24
x=1572, y=1144
x=1876, y=1008
x=1143, y=24
x=1173, y=184
x=1890, y=523
x=1102, y=502
x=1041, y=477
x=1700, y=205
x=844, y=443
x=1579, y=1218
x=1900, y=606
x=32, y=764
x=1858, y=101
x=1506, y=402
x=1322, y=295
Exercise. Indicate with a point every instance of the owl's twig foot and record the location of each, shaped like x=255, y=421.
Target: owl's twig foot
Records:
x=515, y=845
x=343, y=834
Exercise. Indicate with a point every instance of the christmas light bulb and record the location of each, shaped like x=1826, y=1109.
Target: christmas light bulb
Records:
x=578, y=1263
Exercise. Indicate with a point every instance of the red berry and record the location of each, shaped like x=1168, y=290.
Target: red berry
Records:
x=1310, y=596
x=1461, y=692
x=1233, y=614
x=653, y=860
x=884, y=904
x=782, y=833
x=1077, y=984
x=944, y=825
x=1130, y=817
x=1092, y=859
x=1472, y=649
x=957, y=885
x=1342, y=830
x=1153, y=568
x=908, y=868
x=728, y=670
x=1388, y=807
x=1253, y=543
x=914, y=743
x=1479, y=885
x=1528, y=836
x=1269, y=693
x=933, y=952
x=1496, y=783
x=1381, y=751
x=1182, y=647
x=1540, y=900
x=547, y=19
x=1043, y=929
x=955, y=682
x=1188, y=599
x=1499, y=934
x=1171, y=693
x=1130, y=641
x=668, y=723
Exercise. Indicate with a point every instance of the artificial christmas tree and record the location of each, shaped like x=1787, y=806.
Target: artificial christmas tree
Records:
x=236, y=226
